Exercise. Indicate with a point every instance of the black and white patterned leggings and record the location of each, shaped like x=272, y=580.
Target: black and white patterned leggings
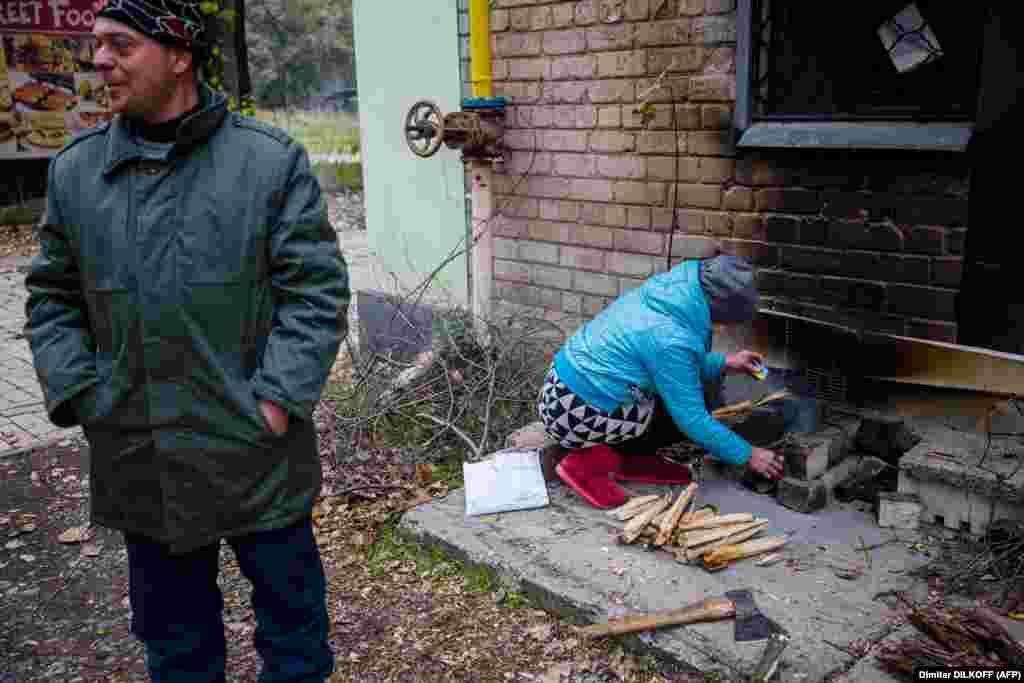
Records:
x=576, y=424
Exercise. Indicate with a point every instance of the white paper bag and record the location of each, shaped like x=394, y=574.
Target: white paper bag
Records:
x=509, y=480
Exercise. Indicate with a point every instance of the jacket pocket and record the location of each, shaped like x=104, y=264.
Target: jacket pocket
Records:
x=110, y=315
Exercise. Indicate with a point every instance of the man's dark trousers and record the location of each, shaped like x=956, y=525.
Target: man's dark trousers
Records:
x=176, y=606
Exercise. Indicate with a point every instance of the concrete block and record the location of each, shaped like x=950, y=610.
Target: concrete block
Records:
x=808, y=460
x=802, y=496
x=813, y=495
x=899, y=510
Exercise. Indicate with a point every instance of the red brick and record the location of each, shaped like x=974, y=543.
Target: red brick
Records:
x=721, y=60
x=614, y=90
x=602, y=214
x=694, y=247
x=555, y=210
x=888, y=267
x=638, y=217
x=924, y=302
x=591, y=236
x=782, y=229
x=716, y=169
x=690, y=221
x=639, y=241
x=853, y=293
x=738, y=198
x=760, y=254
x=948, y=271
x=586, y=259
x=852, y=205
x=928, y=239
x=794, y=200
x=749, y=226
x=621, y=64
x=699, y=196
x=661, y=219
x=511, y=271
x=812, y=260
x=564, y=42
x=761, y=172
x=955, y=241
x=675, y=60
x=610, y=37
x=517, y=44
x=548, y=231
x=861, y=235
x=719, y=224
x=770, y=282
x=716, y=116
x=927, y=210
x=633, y=192
x=573, y=67
x=623, y=166
x=671, y=32
x=714, y=30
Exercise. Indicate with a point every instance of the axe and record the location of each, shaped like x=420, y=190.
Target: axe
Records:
x=750, y=623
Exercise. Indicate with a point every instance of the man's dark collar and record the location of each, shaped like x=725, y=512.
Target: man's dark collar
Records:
x=193, y=130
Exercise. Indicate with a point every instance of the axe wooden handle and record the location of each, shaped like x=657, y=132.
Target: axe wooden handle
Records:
x=709, y=609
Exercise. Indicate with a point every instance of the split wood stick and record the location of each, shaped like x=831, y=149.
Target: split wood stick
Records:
x=717, y=521
x=702, y=536
x=632, y=507
x=692, y=554
x=635, y=526
x=671, y=518
x=709, y=609
x=739, y=551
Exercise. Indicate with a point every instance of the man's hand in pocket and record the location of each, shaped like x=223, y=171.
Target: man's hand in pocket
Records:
x=275, y=417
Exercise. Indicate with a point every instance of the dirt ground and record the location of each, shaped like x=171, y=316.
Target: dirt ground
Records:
x=395, y=616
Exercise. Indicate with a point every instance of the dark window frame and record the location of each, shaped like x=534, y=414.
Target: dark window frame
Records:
x=820, y=131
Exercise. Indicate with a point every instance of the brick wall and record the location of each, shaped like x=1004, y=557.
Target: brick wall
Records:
x=589, y=190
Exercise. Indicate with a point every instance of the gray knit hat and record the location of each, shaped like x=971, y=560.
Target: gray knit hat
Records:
x=728, y=283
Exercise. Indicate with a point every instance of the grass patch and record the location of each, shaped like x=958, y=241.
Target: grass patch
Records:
x=431, y=562
x=319, y=132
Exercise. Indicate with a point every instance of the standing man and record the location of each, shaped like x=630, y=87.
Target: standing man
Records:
x=185, y=309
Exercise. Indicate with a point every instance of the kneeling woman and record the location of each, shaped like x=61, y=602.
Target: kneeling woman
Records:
x=632, y=380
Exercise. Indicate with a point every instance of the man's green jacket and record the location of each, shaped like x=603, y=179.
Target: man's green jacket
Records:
x=175, y=290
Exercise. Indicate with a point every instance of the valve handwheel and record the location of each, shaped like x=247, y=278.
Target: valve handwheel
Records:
x=424, y=128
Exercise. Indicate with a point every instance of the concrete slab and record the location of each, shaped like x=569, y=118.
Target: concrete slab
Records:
x=565, y=556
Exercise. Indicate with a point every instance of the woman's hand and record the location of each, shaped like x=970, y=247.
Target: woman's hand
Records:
x=766, y=462
x=743, y=362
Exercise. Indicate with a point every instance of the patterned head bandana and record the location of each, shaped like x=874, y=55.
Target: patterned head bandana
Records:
x=172, y=22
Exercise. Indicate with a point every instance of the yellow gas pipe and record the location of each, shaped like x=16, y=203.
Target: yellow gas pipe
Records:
x=480, y=46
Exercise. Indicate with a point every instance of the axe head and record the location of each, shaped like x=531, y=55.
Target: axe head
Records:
x=750, y=623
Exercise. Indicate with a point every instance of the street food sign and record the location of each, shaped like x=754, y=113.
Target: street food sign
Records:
x=49, y=89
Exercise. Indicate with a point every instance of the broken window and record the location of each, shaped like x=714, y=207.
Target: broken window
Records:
x=858, y=62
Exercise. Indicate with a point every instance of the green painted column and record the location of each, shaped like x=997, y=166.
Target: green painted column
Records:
x=415, y=207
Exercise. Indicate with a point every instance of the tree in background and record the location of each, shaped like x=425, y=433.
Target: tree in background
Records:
x=296, y=45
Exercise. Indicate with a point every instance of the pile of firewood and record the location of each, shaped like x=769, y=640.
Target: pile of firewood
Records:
x=694, y=535
x=954, y=638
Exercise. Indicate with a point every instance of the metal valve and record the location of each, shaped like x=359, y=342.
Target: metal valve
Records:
x=476, y=130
